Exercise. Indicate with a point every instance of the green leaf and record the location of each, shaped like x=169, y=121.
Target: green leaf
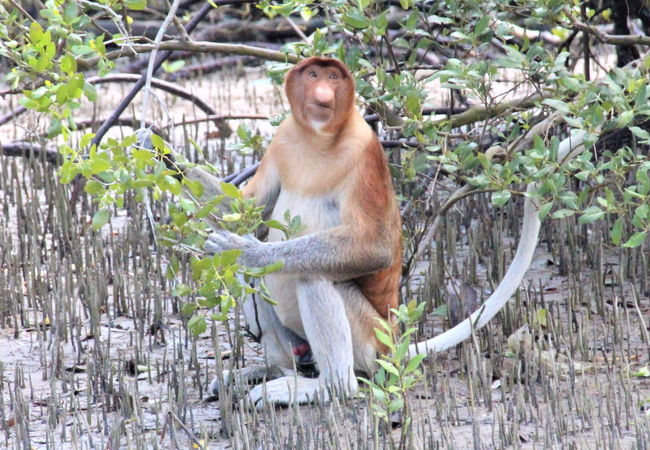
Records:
x=413, y=102
x=68, y=64
x=356, y=19
x=99, y=165
x=230, y=190
x=413, y=364
x=616, y=233
x=625, y=118
x=136, y=5
x=500, y=198
x=195, y=187
x=54, y=128
x=635, y=240
x=81, y=50
x=562, y=213
x=388, y=367
x=233, y=217
x=70, y=12
x=144, y=156
x=197, y=325
x=93, y=187
x=591, y=214
x=396, y=404
x=90, y=91
x=640, y=133
x=405, y=4
x=100, y=218
x=384, y=338
x=188, y=205
x=482, y=25
x=171, y=67
x=643, y=372
x=157, y=141
x=188, y=308
x=558, y=105
x=544, y=210
x=172, y=184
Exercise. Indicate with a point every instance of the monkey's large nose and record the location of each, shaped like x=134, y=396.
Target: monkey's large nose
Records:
x=324, y=95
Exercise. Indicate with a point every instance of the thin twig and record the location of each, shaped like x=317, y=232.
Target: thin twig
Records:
x=22, y=11
x=296, y=29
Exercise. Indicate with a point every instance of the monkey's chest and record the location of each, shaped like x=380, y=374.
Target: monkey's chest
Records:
x=315, y=213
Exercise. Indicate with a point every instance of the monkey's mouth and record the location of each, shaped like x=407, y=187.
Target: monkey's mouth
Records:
x=321, y=106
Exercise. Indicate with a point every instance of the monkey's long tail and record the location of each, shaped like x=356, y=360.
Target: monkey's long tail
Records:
x=569, y=148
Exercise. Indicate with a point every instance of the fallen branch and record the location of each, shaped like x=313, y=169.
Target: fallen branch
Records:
x=27, y=149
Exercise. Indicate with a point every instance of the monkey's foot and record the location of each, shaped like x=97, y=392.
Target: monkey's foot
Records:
x=288, y=390
x=295, y=389
x=244, y=376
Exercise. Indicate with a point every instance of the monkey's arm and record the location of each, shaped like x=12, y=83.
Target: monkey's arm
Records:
x=264, y=187
x=339, y=252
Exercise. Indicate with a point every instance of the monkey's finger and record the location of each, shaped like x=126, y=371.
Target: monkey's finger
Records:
x=215, y=244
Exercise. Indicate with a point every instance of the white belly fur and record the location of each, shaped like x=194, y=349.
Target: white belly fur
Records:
x=316, y=213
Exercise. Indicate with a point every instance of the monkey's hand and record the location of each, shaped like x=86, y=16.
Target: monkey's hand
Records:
x=222, y=240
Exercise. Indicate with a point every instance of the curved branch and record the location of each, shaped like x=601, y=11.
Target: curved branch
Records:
x=121, y=122
x=159, y=84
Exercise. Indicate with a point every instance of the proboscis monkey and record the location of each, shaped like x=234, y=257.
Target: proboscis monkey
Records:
x=342, y=271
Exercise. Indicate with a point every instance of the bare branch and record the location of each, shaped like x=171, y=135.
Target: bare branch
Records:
x=480, y=112
x=614, y=39
x=197, y=47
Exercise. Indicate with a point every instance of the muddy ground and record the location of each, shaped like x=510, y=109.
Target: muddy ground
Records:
x=95, y=354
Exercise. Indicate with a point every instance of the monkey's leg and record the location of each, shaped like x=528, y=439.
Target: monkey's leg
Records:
x=277, y=340
x=328, y=331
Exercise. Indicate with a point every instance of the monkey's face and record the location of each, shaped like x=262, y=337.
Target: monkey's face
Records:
x=321, y=93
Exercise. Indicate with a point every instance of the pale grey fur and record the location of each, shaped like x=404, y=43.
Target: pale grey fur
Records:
x=316, y=253
x=325, y=323
x=314, y=300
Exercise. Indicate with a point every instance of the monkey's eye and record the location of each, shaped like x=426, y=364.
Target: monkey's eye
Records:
x=333, y=76
x=312, y=74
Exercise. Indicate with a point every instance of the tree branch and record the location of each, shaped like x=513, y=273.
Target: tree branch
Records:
x=480, y=112
x=613, y=39
x=196, y=47
x=26, y=149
